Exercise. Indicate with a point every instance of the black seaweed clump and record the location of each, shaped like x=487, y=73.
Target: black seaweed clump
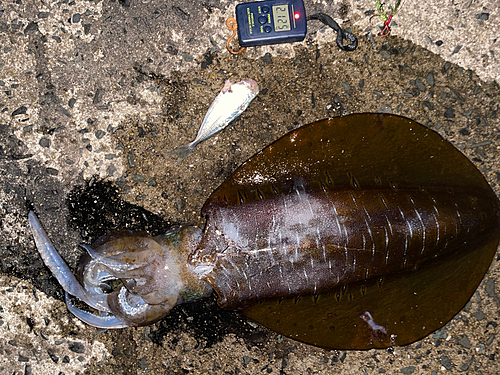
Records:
x=96, y=209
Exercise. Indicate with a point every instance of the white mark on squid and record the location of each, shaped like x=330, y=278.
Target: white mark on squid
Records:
x=297, y=190
x=336, y=215
x=386, y=246
x=458, y=214
x=298, y=245
x=383, y=200
x=283, y=247
x=437, y=228
x=346, y=236
x=266, y=249
x=434, y=206
x=284, y=205
x=367, y=317
x=224, y=268
x=310, y=207
x=245, y=275
x=405, y=252
x=353, y=199
x=366, y=213
x=410, y=229
x=421, y=223
x=256, y=230
x=318, y=241
x=389, y=224
x=271, y=233
x=369, y=230
x=236, y=268
x=459, y=220
x=346, y=252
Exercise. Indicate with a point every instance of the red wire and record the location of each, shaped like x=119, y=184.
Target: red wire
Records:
x=386, y=30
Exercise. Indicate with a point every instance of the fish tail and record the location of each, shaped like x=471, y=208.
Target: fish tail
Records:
x=182, y=151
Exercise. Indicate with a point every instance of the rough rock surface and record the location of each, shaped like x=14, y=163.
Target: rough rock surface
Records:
x=93, y=95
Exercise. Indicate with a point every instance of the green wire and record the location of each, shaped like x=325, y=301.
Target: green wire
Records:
x=381, y=12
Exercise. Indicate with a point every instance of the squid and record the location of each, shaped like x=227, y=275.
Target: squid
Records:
x=364, y=231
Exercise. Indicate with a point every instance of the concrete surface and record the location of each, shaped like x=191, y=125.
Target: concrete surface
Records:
x=94, y=94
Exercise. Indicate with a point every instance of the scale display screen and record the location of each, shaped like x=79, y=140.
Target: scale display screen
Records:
x=281, y=18
x=271, y=22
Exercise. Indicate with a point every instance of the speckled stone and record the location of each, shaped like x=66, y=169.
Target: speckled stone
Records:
x=187, y=56
x=100, y=133
x=479, y=315
x=52, y=356
x=420, y=85
x=45, y=142
x=429, y=78
x=465, y=342
x=490, y=287
x=440, y=334
x=445, y=361
x=385, y=109
x=408, y=370
x=449, y=112
x=20, y=111
x=52, y=171
x=76, y=347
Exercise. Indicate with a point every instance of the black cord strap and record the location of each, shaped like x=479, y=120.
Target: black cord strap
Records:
x=341, y=34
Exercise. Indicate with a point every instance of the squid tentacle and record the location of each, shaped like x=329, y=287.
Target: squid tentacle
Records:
x=108, y=321
x=115, y=265
x=153, y=272
x=60, y=269
x=95, y=279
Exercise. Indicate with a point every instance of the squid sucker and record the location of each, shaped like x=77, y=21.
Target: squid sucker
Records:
x=359, y=232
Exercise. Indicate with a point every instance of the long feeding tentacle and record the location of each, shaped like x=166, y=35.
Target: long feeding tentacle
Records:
x=60, y=269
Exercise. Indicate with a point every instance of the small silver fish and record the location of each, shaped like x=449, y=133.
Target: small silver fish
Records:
x=233, y=99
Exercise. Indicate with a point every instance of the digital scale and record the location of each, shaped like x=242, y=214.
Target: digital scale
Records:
x=271, y=22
